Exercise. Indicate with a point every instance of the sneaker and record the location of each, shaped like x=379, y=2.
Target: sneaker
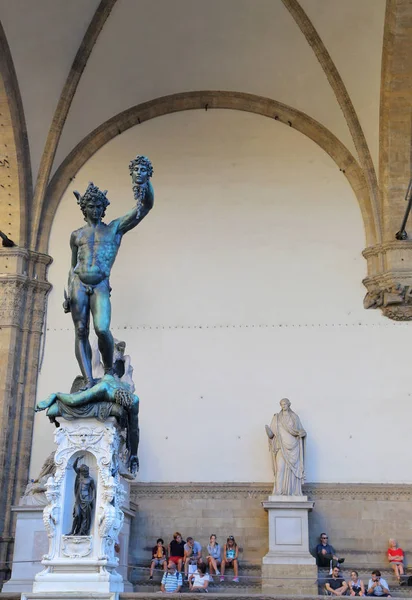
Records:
x=235, y=579
x=222, y=578
x=217, y=572
x=151, y=578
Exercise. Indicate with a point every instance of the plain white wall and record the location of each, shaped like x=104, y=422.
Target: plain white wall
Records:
x=241, y=287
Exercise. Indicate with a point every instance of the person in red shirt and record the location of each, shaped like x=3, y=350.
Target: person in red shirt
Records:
x=395, y=557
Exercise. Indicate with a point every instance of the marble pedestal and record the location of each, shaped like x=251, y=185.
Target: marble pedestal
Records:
x=31, y=543
x=289, y=566
x=83, y=564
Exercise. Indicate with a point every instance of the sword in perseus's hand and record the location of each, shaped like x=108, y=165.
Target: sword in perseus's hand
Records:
x=402, y=235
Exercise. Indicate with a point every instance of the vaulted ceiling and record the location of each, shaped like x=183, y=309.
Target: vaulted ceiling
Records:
x=151, y=48
x=75, y=74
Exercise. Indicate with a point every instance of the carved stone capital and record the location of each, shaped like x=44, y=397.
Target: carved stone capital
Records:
x=23, y=288
x=389, y=282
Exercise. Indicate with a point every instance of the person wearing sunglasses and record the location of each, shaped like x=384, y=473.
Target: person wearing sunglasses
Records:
x=172, y=580
x=325, y=553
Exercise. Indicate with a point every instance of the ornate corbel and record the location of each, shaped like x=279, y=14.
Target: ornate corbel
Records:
x=389, y=282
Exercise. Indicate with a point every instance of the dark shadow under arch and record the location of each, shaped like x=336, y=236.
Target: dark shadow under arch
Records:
x=200, y=100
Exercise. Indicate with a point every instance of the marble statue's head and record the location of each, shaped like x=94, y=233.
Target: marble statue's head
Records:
x=48, y=468
x=285, y=404
x=93, y=203
x=141, y=170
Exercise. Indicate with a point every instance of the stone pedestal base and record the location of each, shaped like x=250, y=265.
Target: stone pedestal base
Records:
x=68, y=596
x=82, y=576
x=83, y=564
x=30, y=544
x=288, y=565
x=290, y=579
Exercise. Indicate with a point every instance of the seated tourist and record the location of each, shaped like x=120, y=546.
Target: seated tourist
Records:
x=158, y=557
x=199, y=581
x=356, y=585
x=396, y=557
x=377, y=585
x=336, y=585
x=192, y=554
x=214, y=555
x=177, y=550
x=171, y=580
x=230, y=558
x=325, y=553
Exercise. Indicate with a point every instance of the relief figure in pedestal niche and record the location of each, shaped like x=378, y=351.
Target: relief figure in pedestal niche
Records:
x=84, y=496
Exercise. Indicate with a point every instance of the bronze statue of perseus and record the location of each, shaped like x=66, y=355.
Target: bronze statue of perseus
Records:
x=94, y=249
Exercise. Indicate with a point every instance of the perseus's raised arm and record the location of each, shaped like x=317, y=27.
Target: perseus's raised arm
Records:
x=133, y=218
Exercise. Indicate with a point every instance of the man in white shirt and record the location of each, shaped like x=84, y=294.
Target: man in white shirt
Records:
x=378, y=586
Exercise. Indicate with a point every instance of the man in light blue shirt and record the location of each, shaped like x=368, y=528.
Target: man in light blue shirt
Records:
x=378, y=586
x=171, y=580
x=193, y=554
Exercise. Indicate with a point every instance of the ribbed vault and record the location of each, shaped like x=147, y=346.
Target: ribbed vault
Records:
x=206, y=100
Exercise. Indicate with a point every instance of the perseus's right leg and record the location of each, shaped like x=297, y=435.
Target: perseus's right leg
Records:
x=80, y=309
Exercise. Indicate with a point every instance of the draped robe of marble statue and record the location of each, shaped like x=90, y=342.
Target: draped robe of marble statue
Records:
x=34, y=494
x=287, y=446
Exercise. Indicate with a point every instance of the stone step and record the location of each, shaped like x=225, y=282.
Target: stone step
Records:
x=235, y=590
x=245, y=594
x=139, y=575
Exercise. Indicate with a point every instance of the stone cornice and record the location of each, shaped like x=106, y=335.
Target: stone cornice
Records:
x=19, y=251
x=260, y=491
x=200, y=490
x=385, y=246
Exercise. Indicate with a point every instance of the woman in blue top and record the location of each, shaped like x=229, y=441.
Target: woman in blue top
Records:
x=230, y=557
x=214, y=555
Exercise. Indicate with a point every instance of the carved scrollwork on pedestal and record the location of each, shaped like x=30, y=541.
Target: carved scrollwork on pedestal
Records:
x=77, y=546
x=102, y=441
x=51, y=514
x=111, y=518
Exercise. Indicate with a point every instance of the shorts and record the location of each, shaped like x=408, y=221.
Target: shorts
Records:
x=230, y=564
x=175, y=559
x=158, y=561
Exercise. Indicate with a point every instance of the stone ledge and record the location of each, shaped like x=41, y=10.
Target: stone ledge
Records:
x=261, y=491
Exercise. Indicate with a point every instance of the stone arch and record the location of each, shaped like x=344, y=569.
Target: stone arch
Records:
x=206, y=100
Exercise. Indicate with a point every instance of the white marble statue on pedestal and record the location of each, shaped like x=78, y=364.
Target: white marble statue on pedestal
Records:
x=287, y=445
x=288, y=561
